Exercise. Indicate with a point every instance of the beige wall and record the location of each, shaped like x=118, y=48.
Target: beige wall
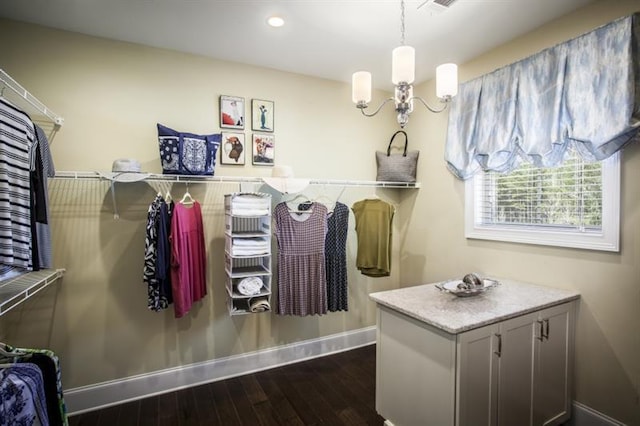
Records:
x=607, y=375
x=112, y=94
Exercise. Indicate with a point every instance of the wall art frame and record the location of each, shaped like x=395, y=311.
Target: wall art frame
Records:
x=232, y=112
x=262, y=115
x=263, y=148
x=233, y=148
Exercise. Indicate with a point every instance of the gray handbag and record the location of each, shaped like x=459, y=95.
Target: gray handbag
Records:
x=397, y=167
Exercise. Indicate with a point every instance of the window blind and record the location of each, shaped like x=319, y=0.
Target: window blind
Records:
x=565, y=197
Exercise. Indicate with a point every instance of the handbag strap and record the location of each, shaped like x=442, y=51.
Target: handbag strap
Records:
x=406, y=142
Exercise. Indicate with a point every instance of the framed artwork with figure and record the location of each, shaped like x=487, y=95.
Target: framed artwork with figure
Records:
x=231, y=112
x=232, y=148
x=262, y=114
x=263, y=150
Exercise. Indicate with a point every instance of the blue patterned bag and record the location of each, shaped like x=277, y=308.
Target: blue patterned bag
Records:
x=187, y=153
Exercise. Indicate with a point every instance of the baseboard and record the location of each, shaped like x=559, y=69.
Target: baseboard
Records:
x=101, y=395
x=586, y=416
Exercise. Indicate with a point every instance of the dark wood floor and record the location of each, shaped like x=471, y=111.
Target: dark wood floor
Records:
x=333, y=390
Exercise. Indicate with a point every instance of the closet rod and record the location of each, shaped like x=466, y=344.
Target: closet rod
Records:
x=239, y=179
x=10, y=83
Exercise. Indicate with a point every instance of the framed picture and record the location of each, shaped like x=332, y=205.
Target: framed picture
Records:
x=232, y=148
x=263, y=149
x=231, y=112
x=262, y=113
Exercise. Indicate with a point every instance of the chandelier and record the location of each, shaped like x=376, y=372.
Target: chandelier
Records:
x=402, y=76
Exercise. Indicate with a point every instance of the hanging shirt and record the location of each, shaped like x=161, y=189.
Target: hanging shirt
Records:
x=43, y=230
x=188, y=257
x=154, y=301
x=17, y=135
x=374, y=220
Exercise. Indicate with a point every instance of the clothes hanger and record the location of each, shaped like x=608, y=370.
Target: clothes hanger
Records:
x=294, y=204
x=187, y=199
x=329, y=202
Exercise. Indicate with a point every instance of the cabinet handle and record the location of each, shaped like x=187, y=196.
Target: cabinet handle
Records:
x=541, y=330
x=499, y=351
x=546, y=326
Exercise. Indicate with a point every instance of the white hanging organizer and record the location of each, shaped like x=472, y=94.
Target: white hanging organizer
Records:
x=24, y=97
x=16, y=290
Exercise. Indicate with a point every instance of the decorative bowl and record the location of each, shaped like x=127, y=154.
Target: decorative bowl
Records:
x=454, y=287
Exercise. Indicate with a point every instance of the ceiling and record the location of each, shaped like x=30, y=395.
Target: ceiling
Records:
x=322, y=38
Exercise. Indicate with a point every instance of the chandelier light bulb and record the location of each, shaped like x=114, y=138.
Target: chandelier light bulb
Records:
x=361, y=87
x=403, y=65
x=446, y=81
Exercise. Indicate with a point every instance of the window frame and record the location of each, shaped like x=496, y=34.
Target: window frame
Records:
x=608, y=239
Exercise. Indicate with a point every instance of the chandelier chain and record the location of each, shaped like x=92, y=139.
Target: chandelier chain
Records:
x=401, y=22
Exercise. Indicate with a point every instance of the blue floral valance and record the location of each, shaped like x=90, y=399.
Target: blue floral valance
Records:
x=585, y=93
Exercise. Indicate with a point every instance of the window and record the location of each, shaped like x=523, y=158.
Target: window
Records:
x=574, y=205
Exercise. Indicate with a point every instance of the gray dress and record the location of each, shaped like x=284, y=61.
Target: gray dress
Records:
x=302, y=283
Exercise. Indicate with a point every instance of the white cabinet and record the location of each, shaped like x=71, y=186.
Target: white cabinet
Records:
x=514, y=372
x=248, y=252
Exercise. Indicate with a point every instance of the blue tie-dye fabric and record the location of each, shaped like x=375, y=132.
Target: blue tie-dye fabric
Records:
x=585, y=93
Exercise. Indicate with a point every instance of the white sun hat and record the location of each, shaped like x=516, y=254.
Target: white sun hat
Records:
x=125, y=170
x=282, y=180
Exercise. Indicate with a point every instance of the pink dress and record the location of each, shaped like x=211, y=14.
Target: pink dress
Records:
x=188, y=257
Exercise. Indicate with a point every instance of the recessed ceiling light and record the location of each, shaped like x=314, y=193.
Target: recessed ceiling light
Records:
x=275, y=21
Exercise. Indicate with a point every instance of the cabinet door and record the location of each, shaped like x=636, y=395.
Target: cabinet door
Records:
x=415, y=377
x=477, y=376
x=515, y=377
x=554, y=365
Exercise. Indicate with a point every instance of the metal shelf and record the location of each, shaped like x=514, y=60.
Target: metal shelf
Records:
x=155, y=177
x=18, y=289
x=238, y=179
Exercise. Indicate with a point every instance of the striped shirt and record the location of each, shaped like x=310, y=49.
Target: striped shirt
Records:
x=17, y=135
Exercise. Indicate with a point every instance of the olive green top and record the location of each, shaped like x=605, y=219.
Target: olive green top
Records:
x=374, y=218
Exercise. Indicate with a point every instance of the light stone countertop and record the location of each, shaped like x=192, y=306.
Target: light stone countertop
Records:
x=454, y=314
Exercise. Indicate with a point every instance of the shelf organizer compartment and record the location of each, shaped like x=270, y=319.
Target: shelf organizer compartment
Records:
x=232, y=287
x=247, y=230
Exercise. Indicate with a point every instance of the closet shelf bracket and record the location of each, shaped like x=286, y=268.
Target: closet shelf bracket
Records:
x=24, y=96
x=16, y=290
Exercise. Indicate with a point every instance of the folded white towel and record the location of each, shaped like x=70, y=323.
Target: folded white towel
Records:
x=248, y=198
x=251, y=242
x=249, y=212
x=240, y=251
x=250, y=286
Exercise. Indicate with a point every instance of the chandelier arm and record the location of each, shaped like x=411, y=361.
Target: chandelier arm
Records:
x=386, y=101
x=446, y=104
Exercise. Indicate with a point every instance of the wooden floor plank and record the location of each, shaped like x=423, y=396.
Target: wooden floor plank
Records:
x=129, y=414
x=244, y=407
x=168, y=409
x=224, y=404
